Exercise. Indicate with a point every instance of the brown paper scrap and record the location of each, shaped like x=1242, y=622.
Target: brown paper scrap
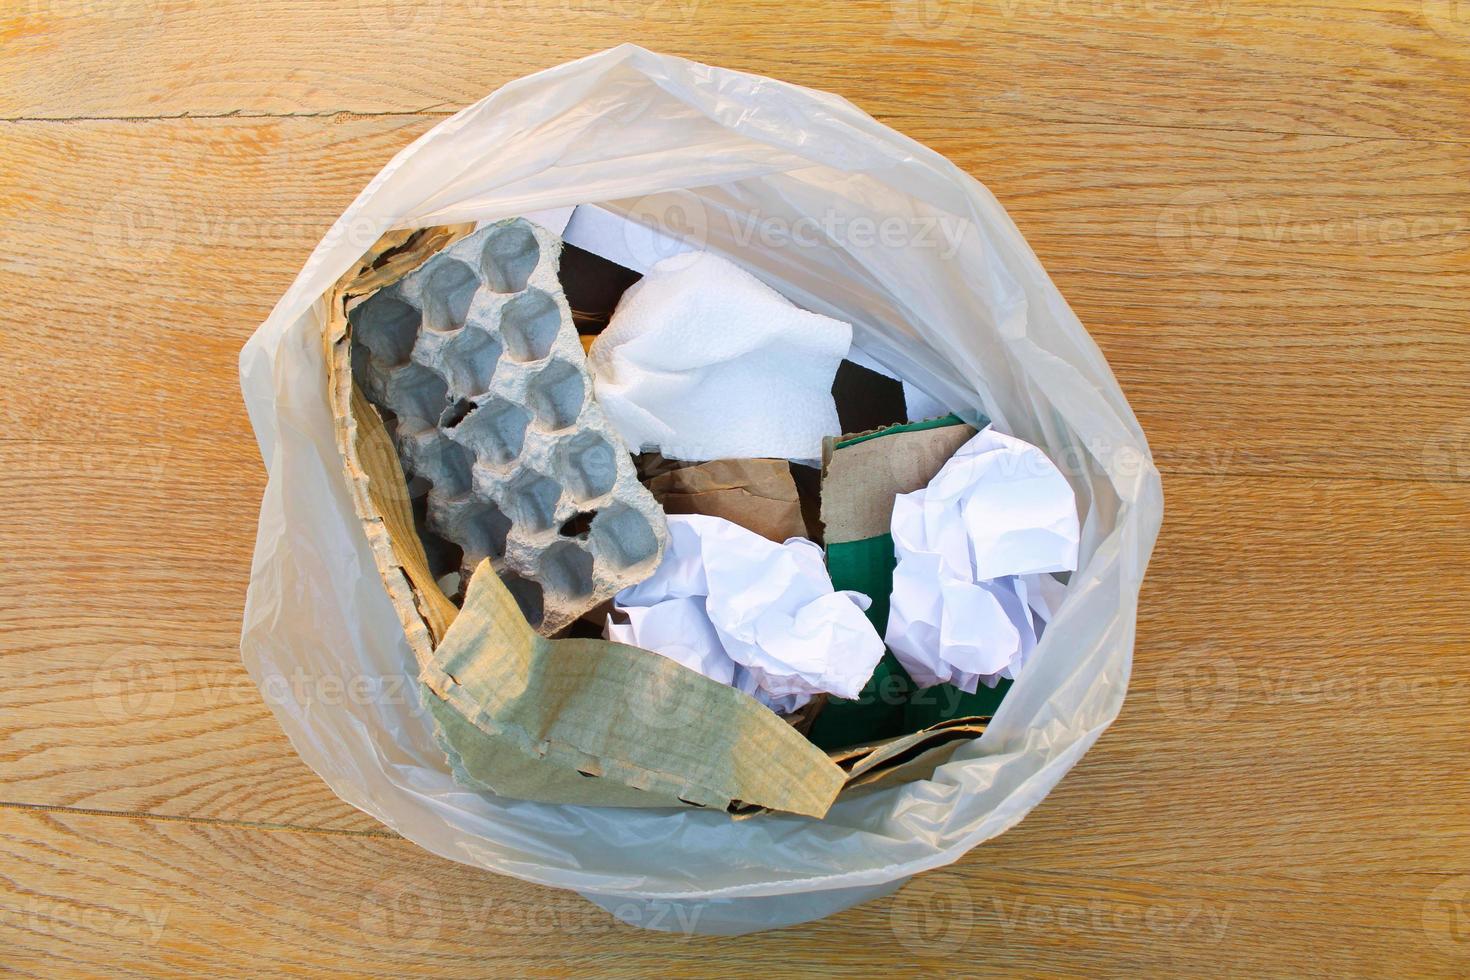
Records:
x=757, y=494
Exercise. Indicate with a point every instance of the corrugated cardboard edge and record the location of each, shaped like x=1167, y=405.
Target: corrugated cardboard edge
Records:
x=375, y=479
x=920, y=765
x=902, y=759
x=864, y=760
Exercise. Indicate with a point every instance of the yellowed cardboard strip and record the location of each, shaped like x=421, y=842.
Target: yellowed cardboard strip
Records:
x=895, y=750
x=920, y=766
x=622, y=713
x=484, y=762
x=375, y=479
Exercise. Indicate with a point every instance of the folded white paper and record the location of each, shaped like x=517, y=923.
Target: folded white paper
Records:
x=751, y=613
x=630, y=244
x=701, y=360
x=972, y=591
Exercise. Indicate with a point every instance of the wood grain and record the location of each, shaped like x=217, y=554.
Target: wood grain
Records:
x=84, y=893
x=1260, y=210
x=1325, y=243
x=167, y=721
x=1361, y=68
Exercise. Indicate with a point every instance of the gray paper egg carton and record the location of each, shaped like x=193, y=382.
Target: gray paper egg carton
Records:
x=478, y=370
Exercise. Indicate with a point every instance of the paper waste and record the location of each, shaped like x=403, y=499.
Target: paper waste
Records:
x=748, y=612
x=704, y=361
x=972, y=590
x=571, y=721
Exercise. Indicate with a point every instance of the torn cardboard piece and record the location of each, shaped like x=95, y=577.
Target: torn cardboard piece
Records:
x=370, y=463
x=879, y=764
x=758, y=494
x=863, y=473
x=615, y=711
x=483, y=762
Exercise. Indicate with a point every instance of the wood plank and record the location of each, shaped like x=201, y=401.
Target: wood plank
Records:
x=1329, y=606
x=126, y=572
x=1261, y=211
x=83, y=893
x=1270, y=304
x=1263, y=337
x=229, y=208
x=1334, y=68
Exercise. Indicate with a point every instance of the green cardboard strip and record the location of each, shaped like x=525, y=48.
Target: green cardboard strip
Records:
x=863, y=561
x=878, y=713
x=940, y=422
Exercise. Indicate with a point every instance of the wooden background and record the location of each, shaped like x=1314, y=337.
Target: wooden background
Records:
x=1261, y=210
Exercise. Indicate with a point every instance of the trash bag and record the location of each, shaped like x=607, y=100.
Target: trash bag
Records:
x=845, y=217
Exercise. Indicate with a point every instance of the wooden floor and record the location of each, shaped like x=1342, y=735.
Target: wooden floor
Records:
x=1261, y=210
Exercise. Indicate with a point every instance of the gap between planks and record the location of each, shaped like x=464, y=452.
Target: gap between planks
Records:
x=433, y=112
x=264, y=825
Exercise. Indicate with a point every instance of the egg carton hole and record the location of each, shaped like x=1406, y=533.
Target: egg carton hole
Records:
x=567, y=570
x=577, y=526
x=448, y=292
x=510, y=255
x=556, y=395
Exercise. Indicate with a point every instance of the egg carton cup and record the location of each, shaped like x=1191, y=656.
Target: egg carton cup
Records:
x=471, y=360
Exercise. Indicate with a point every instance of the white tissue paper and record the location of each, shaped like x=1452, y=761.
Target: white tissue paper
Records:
x=748, y=612
x=972, y=590
x=701, y=360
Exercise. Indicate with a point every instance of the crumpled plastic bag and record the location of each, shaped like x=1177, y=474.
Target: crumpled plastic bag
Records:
x=949, y=297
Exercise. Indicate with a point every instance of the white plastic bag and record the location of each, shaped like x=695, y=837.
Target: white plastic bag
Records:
x=845, y=217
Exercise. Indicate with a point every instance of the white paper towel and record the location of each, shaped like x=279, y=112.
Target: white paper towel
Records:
x=971, y=591
x=702, y=360
x=751, y=613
